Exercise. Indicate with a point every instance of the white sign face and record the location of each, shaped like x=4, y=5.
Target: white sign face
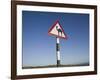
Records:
x=57, y=31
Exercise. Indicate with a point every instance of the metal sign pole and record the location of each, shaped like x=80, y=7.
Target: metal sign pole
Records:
x=57, y=30
x=58, y=51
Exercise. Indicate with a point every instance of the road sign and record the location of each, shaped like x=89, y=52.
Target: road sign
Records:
x=57, y=30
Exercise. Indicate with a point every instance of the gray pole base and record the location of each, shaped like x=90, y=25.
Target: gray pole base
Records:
x=58, y=63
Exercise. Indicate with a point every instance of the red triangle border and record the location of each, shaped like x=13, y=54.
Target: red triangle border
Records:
x=61, y=28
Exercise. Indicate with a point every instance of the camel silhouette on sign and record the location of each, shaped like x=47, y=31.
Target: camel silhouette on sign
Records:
x=59, y=30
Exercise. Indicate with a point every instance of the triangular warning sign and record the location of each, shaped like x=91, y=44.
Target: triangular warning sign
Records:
x=57, y=30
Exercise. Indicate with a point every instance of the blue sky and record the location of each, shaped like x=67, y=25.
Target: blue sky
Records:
x=39, y=49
